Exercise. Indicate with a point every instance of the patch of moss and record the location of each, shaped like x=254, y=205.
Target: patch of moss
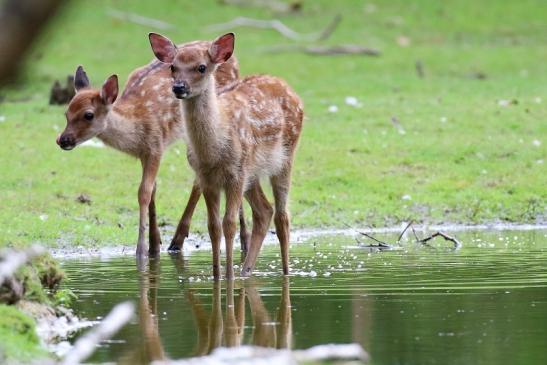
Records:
x=19, y=340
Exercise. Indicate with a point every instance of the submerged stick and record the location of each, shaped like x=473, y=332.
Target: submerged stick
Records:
x=109, y=326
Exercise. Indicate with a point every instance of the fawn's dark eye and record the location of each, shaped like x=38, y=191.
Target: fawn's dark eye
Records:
x=202, y=68
x=172, y=68
x=88, y=115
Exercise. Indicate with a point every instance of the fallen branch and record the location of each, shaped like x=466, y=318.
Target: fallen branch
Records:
x=344, y=49
x=278, y=26
x=404, y=230
x=381, y=244
x=275, y=6
x=457, y=244
x=139, y=19
x=423, y=241
x=109, y=326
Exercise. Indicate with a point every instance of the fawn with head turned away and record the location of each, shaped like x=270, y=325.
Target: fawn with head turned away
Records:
x=142, y=122
x=235, y=136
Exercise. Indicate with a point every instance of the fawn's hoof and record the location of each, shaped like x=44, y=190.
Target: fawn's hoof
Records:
x=174, y=247
x=246, y=272
x=142, y=251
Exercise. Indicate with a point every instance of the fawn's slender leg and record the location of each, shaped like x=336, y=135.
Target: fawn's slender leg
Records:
x=212, y=199
x=150, y=166
x=243, y=233
x=154, y=237
x=281, y=185
x=229, y=223
x=262, y=216
x=183, y=228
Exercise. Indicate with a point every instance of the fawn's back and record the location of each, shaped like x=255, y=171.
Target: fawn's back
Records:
x=265, y=117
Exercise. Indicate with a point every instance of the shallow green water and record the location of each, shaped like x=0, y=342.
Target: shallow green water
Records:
x=483, y=304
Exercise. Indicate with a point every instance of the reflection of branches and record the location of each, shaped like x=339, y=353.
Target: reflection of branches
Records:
x=21, y=21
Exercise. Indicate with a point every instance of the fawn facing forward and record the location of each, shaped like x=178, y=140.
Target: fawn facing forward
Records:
x=248, y=131
x=142, y=123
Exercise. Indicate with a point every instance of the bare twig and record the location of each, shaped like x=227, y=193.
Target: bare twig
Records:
x=109, y=326
x=420, y=69
x=457, y=243
x=327, y=32
x=380, y=243
x=414, y=233
x=139, y=19
x=344, y=49
x=275, y=6
x=404, y=230
x=278, y=26
x=423, y=241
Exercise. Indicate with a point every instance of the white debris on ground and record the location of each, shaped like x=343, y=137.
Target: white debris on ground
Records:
x=333, y=109
x=252, y=355
x=2, y=118
x=352, y=101
x=93, y=143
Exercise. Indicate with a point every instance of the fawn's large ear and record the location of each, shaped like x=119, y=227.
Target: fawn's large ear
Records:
x=163, y=48
x=222, y=48
x=80, y=79
x=109, y=91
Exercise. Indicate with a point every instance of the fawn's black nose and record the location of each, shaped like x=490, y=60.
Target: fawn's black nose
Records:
x=66, y=142
x=181, y=90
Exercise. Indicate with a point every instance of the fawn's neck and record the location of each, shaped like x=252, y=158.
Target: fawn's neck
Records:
x=120, y=133
x=204, y=127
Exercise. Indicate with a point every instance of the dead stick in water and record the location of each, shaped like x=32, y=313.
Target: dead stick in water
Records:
x=381, y=243
x=457, y=244
x=404, y=230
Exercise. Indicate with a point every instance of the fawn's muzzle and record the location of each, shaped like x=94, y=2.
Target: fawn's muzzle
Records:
x=66, y=142
x=181, y=90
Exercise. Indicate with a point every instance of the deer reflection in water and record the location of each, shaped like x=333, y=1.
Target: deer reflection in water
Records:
x=215, y=327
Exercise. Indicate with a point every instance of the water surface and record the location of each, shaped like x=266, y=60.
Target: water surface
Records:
x=483, y=304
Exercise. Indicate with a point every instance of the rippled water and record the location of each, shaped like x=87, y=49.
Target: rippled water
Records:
x=483, y=304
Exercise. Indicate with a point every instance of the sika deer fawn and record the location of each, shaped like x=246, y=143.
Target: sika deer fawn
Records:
x=142, y=123
x=235, y=136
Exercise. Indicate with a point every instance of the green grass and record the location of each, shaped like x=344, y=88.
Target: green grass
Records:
x=463, y=158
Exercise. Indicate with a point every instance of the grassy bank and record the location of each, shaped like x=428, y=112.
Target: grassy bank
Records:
x=465, y=143
x=38, y=282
